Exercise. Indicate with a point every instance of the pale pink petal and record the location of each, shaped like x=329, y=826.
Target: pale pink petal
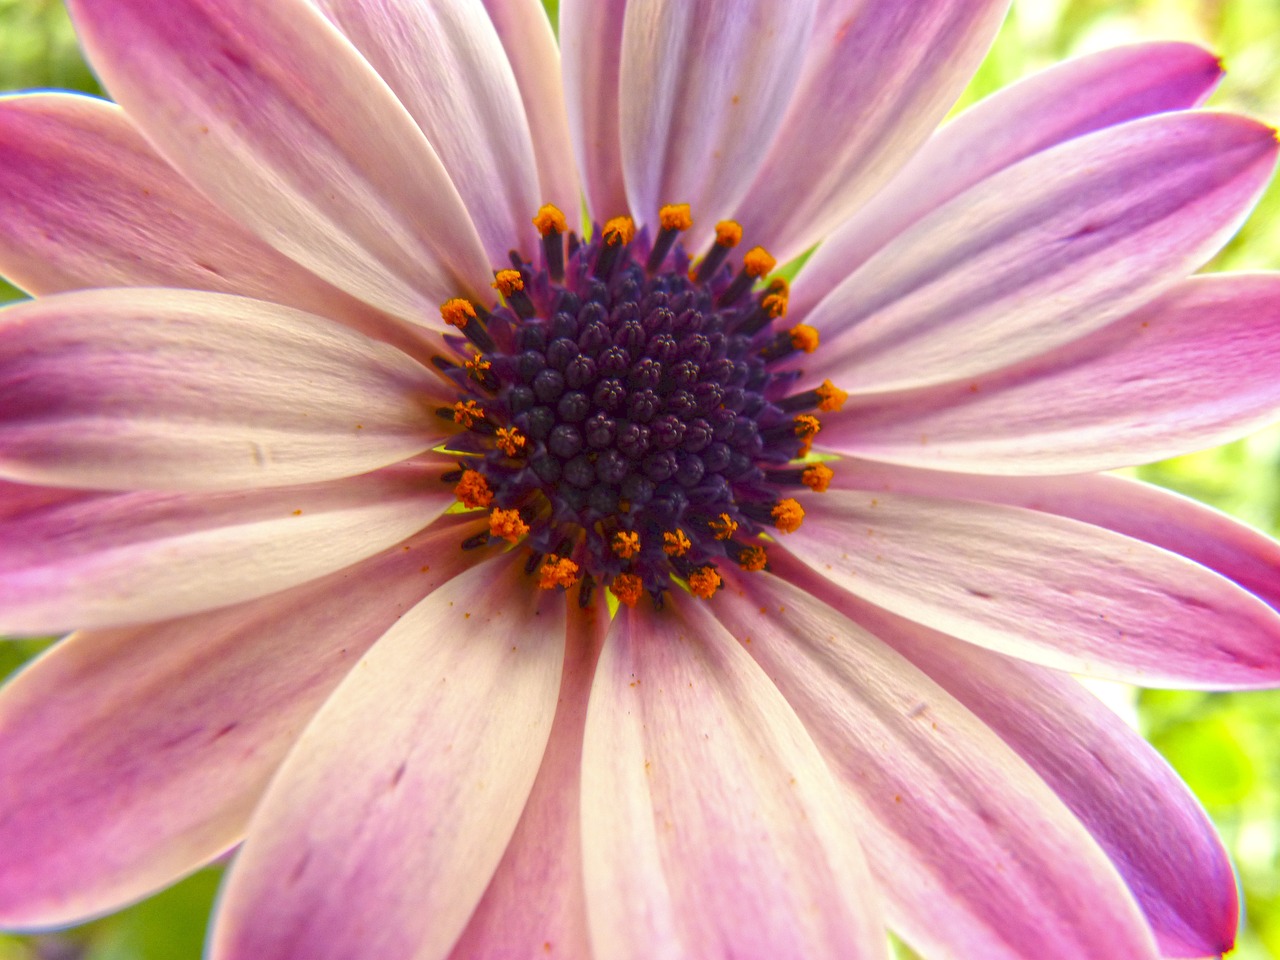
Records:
x=711, y=826
x=1044, y=252
x=87, y=202
x=531, y=48
x=133, y=756
x=1047, y=108
x=1139, y=510
x=174, y=389
x=878, y=78
x=975, y=855
x=535, y=904
x=275, y=116
x=445, y=63
x=1042, y=588
x=107, y=559
x=703, y=86
x=591, y=44
x=382, y=829
x=1200, y=366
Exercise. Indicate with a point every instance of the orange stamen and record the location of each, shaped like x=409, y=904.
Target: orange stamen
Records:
x=757, y=262
x=626, y=544
x=457, y=312
x=628, y=588
x=510, y=440
x=817, y=477
x=508, y=282
x=723, y=526
x=775, y=304
x=704, y=582
x=728, y=233
x=676, y=544
x=787, y=515
x=619, y=230
x=753, y=559
x=804, y=338
x=675, y=216
x=830, y=397
x=467, y=412
x=507, y=525
x=549, y=220
x=557, y=572
x=477, y=365
x=473, y=490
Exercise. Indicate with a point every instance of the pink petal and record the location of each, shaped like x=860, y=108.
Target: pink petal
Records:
x=86, y=202
x=591, y=44
x=1044, y=252
x=133, y=756
x=875, y=83
x=446, y=64
x=173, y=389
x=535, y=904
x=703, y=86
x=1042, y=588
x=711, y=827
x=382, y=829
x=103, y=559
x=1198, y=367
x=975, y=855
x=530, y=44
x=1048, y=108
x=273, y=114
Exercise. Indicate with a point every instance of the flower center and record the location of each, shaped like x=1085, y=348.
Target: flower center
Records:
x=622, y=414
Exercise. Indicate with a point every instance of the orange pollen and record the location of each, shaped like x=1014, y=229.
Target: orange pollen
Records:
x=779, y=286
x=628, y=588
x=807, y=426
x=787, y=515
x=830, y=397
x=626, y=544
x=704, y=582
x=507, y=525
x=473, y=490
x=467, y=412
x=757, y=262
x=549, y=220
x=675, y=544
x=457, y=312
x=507, y=282
x=510, y=441
x=477, y=364
x=728, y=233
x=775, y=304
x=817, y=477
x=675, y=216
x=619, y=230
x=723, y=526
x=753, y=559
x=557, y=572
x=804, y=338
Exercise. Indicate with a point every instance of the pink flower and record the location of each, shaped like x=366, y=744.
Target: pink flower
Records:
x=226, y=472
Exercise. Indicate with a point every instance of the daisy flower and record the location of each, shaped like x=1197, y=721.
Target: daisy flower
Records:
x=462, y=520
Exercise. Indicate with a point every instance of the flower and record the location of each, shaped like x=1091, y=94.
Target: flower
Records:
x=421, y=724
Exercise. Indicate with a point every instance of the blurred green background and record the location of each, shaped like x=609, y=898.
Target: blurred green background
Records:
x=1224, y=745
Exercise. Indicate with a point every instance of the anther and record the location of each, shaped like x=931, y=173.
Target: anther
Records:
x=704, y=582
x=804, y=338
x=615, y=236
x=473, y=490
x=552, y=226
x=827, y=397
x=510, y=284
x=510, y=441
x=772, y=306
x=751, y=558
x=459, y=313
x=787, y=515
x=817, y=477
x=676, y=544
x=467, y=413
x=728, y=236
x=481, y=371
x=723, y=527
x=756, y=263
x=557, y=572
x=626, y=544
x=672, y=218
x=508, y=525
x=628, y=588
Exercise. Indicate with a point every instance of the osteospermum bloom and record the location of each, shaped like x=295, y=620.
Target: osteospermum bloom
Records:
x=502, y=583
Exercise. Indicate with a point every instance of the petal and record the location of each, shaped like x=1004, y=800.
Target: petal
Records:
x=383, y=827
x=174, y=389
x=530, y=43
x=591, y=44
x=275, y=116
x=1044, y=252
x=535, y=904
x=446, y=65
x=976, y=856
x=1053, y=106
x=703, y=84
x=1043, y=588
x=134, y=756
x=1200, y=366
x=87, y=202
x=98, y=560
x=880, y=79
x=723, y=833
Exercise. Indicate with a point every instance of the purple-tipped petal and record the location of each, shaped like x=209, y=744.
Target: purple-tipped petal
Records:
x=1198, y=367
x=179, y=390
x=703, y=86
x=274, y=115
x=974, y=854
x=1043, y=252
x=108, y=559
x=531, y=48
x=134, y=756
x=875, y=82
x=446, y=64
x=591, y=44
x=711, y=826
x=1043, y=588
x=1047, y=108
x=382, y=829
